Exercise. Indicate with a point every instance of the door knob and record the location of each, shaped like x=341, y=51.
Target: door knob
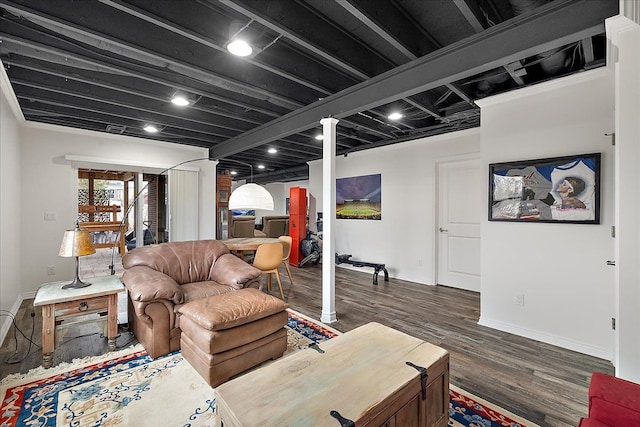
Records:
x=612, y=263
x=442, y=230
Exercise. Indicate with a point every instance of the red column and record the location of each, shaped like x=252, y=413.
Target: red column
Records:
x=297, y=222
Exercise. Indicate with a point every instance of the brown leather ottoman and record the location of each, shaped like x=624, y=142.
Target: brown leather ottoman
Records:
x=223, y=335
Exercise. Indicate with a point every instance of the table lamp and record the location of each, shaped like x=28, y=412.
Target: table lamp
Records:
x=76, y=243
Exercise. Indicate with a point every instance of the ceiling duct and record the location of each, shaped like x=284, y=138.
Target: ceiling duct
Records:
x=554, y=61
x=550, y=63
x=522, y=6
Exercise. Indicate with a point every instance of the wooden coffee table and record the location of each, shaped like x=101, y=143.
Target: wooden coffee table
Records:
x=62, y=308
x=361, y=376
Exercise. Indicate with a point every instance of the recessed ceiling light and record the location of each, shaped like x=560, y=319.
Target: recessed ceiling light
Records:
x=260, y=166
x=272, y=151
x=180, y=100
x=239, y=48
x=395, y=116
x=234, y=173
x=319, y=137
x=151, y=129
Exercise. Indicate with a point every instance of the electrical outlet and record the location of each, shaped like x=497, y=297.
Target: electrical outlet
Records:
x=49, y=216
x=420, y=263
x=520, y=299
x=51, y=270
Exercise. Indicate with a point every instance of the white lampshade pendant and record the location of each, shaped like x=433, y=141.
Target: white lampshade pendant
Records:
x=251, y=196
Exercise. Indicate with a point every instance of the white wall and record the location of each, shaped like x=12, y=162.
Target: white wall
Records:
x=49, y=184
x=10, y=239
x=406, y=233
x=559, y=268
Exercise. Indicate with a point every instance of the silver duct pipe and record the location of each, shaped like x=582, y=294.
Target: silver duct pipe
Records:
x=522, y=6
x=552, y=62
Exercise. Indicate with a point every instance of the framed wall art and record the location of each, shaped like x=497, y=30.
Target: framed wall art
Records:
x=559, y=189
x=359, y=197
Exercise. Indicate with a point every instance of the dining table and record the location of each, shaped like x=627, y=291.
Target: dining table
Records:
x=240, y=245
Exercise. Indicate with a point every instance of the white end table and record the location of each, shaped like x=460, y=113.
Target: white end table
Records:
x=62, y=308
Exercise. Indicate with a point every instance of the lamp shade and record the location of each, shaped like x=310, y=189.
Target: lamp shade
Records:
x=251, y=196
x=76, y=243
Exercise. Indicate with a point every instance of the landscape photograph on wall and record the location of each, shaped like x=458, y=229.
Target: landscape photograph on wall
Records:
x=559, y=189
x=359, y=197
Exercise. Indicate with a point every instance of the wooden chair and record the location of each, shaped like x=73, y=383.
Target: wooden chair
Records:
x=286, y=251
x=268, y=258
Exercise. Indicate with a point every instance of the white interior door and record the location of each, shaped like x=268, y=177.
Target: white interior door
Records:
x=459, y=212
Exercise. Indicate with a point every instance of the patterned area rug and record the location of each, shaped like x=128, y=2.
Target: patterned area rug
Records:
x=127, y=388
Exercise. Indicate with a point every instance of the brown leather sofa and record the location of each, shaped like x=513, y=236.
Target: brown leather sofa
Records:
x=161, y=278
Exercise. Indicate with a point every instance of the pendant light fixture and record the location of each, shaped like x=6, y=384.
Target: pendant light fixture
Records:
x=250, y=195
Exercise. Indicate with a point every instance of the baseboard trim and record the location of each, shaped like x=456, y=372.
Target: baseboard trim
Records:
x=6, y=326
x=599, y=352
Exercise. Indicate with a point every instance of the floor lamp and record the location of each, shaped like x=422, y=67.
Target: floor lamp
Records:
x=112, y=267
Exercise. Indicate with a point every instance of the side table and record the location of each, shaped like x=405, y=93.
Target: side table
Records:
x=62, y=308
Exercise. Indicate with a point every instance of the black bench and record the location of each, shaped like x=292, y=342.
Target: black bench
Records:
x=344, y=259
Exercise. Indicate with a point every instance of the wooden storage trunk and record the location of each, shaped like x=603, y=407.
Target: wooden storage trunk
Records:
x=361, y=377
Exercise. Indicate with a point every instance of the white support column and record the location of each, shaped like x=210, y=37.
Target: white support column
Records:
x=624, y=44
x=139, y=185
x=328, y=220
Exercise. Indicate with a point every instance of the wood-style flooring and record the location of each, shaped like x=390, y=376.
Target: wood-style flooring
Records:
x=540, y=382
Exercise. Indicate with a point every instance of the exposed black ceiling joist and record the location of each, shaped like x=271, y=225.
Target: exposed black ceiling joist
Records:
x=198, y=38
x=72, y=58
x=564, y=22
x=143, y=54
x=111, y=65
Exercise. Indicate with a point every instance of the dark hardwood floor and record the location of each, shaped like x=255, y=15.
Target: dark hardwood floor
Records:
x=540, y=382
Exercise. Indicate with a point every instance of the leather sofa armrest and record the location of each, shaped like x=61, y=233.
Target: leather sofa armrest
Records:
x=232, y=271
x=148, y=285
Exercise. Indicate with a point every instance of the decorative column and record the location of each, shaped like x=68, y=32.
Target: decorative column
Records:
x=328, y=220
x=297, y=222
x=623, y=35
x=139, y=210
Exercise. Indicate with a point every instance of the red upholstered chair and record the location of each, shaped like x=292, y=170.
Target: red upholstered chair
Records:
x=613, y=402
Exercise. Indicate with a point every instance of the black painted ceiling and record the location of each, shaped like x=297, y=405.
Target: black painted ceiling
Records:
x=113, y=65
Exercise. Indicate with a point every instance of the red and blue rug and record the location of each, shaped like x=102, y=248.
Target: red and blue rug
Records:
x=127, y=388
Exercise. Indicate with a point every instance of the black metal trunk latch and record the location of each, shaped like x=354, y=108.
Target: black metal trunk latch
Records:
x=317, y=348
x=342, y=420
x=423, y=378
